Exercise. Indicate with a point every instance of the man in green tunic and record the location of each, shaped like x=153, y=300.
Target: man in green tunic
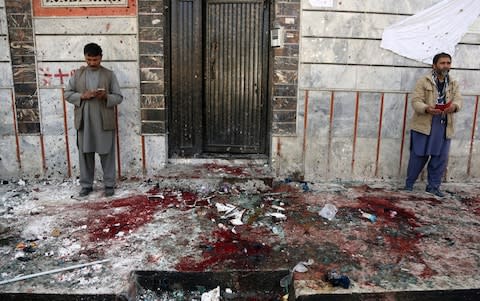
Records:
x=94, y=91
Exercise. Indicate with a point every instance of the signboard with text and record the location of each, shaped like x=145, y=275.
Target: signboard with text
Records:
x=55, y=8
x=84, y=3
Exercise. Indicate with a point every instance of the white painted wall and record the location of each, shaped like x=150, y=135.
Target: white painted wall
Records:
x=340, y=51
x=59, y=47
x=8, y=155
x=59, y=43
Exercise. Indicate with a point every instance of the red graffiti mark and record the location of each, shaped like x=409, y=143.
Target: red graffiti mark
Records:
x=61, y=75
x=45, y=72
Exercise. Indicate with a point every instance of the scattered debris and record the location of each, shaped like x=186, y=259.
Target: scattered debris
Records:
x=77, y=266
x=29, y=247
x=302, y=266
x=22, y=256
x=336, y=279
x=213, y=295
x=199, y=224
x=279, y=208
x=233, y=213
x=450, y=241
x=328, y=211
x=277, y=215
x=302, y=184
x=369, y=216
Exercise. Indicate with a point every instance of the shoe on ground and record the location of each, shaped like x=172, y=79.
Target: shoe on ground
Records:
x=407, y=188
x=109, y=191
x=435, y=191
x=85, y=191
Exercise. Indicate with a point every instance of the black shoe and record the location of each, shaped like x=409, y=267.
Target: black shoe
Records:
x=435, y=191
x=407, y=188
x=109, y=191
x=85, y=191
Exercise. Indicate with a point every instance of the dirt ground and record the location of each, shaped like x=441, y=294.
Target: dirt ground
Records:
x=219, y=218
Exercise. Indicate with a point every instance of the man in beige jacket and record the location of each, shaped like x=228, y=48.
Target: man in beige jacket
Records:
x=435, y=101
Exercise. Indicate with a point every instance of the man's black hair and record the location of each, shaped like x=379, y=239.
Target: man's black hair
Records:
x=92, y=49
x=439, y=56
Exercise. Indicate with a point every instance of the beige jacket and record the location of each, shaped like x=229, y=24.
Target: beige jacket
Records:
x=425, y=95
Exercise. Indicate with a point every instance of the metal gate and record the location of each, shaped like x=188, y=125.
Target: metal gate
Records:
x=218, y=77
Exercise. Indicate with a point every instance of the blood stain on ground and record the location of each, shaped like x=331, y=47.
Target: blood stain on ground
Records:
x=387, y=211
x=286, y=189
x=114, y=218
x=473, y=204
x=396, y=226
x=228, y=249
x=236, y=171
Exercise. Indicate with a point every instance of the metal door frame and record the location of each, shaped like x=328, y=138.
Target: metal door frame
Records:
x=269, y=67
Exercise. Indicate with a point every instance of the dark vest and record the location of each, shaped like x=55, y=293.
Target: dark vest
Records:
x=108, y=114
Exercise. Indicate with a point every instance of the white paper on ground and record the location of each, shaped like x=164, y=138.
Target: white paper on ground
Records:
x=213, y=295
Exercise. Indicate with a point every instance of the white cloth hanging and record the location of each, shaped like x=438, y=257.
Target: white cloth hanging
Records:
x=433, y=30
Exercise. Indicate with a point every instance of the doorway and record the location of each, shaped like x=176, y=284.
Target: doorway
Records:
x=218, y=71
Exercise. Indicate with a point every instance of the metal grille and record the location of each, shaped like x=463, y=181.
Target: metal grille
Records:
x=218, y=71
x=186, y=78
x=236, y=63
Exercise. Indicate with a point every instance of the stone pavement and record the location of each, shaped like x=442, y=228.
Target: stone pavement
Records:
x=390, y=244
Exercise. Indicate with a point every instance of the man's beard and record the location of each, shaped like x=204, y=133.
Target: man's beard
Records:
x=442, y=72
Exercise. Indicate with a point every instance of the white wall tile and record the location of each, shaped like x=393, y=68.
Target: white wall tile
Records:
x=70, y=48
x=82, y=26
x=51, y=74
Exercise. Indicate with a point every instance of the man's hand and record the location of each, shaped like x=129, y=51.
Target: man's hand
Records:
x=101, y=94
x=89, y=94
x=450, y=109
x=433, y=111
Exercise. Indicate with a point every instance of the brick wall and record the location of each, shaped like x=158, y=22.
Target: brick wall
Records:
x=285, y=70
x=20, y=31
x=151, y=21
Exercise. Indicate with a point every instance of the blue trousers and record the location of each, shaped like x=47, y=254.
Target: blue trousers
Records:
x=436, y=168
